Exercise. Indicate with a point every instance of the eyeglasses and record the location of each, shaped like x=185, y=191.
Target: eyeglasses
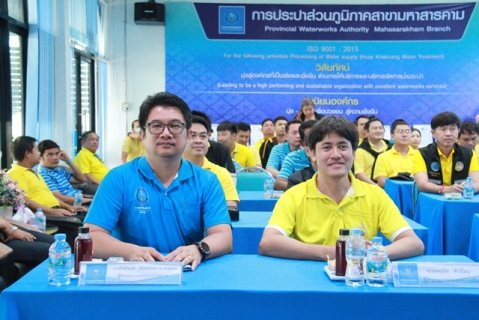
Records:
x=401, y=131
x=156, y=127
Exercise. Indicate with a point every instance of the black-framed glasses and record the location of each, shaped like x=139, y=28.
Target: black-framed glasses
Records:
x=157, y=127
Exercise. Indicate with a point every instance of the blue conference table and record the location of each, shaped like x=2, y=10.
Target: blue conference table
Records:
x=238, y=287
x=449, y=222
x=247, y=232
x=255, y=201
x=474, y=242
x=401, y=193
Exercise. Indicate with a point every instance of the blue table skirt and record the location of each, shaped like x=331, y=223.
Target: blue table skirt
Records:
x=474, y=242
x=247, y=232
x=449, y=222
x=255, y=201
x=238, y=287
x=401, y=193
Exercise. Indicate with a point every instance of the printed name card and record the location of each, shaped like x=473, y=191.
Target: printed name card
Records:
x=137, y=273
x=424, y=274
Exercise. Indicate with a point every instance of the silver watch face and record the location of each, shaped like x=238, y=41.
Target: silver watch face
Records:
x=14, y=228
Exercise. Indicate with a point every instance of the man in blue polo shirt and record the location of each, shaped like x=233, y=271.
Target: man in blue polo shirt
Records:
x=160, y=204
x=280, y=151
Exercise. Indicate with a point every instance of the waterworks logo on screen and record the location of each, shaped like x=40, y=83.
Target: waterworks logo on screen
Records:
x=231, y=20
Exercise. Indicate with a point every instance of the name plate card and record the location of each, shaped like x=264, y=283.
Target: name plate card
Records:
x=111, y=273
x=429, y=274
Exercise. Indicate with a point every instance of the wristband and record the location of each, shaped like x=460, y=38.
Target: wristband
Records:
x=69, y=161
x=441, y=189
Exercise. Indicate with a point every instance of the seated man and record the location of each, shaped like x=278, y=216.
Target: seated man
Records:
x=243, y=136
x=218, y=153
x=25, y=152
x=369, y=150
x=280, y=151
x=398, y=159
x=468, y=136
x=132, y=145
x=443, y=166
x=195, y=152
x=58, y=179
x=242, y=155
x=302, y=175
x=296, y=160
x=307, y=218
x=265, y=144
x=160, y=204
x=88, y=161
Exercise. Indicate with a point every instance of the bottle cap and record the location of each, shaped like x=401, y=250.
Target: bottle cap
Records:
x=83, y=230
x=60, y=236
x=344, y=232
x=377, y=240
x=355, y=231
x=39, y=210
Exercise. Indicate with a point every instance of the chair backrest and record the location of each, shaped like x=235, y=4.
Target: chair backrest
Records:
x=415, y=196
x=251, y=179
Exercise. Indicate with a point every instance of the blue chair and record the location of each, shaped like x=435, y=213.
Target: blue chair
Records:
x=251, y=179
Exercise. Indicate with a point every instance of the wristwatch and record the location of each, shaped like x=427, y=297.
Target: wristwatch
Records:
x=204, y=249
x=14, y=228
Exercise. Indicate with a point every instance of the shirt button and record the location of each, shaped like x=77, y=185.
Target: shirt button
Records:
x=166, y=193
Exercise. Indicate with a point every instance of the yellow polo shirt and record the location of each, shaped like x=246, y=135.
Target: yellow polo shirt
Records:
x=391, y=162
x=225, y=179
x=243, y=155
x=256, y=156
x=33, y=185
x=134, y=148
x=363, y=161
x=88, y=162
x=309, y=216
x=419, y=165
x=258, y=144
x=476, y=149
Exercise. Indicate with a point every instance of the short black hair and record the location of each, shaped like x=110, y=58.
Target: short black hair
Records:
x=280, y=118
x=306, y=125
x=445, y=119
x=133, y=123
x=292, y=122
x=200, y=120
x=204, y=116
x=416, y=129
x=468, y=127
x=333, y=124
x=47, y=144
x=227, y=126
x=266, y=120
x=243, y=126
x=85, y=135
x=371, y=120
x=398, y=122
x=20, y=145
x=164, y=99
x=359, y=117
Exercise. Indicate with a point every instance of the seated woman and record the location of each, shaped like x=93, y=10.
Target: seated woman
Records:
x=29, y=247
x=306, y=111
x=415, y=139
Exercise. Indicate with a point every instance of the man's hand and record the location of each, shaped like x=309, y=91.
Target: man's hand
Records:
x=22, y=235
x=186, y=254
x=79, y=208
x=64, y=156
x=454, y=188
x=61, y=212
x=145, y=254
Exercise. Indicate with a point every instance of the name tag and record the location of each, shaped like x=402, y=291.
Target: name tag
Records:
x=424, y=274
x=111, y=273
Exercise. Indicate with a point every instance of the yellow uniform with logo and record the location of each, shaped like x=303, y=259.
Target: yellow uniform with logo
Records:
x=33, y=185
x=309, y=216
x=243, y=155
x=446, y=165
x=476, y=149
x=225, y=179
x=391, y=162
x=89, y=162
x=363, y=160
x=134, y=148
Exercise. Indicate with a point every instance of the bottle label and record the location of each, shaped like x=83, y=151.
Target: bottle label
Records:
x=377, y=264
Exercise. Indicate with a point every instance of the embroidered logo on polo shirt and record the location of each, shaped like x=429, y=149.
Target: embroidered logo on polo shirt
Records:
x=435, y=166
x=142, y=196
x=459, y=166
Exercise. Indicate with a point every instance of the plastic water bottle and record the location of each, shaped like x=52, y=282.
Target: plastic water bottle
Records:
x=40, y=220
x=268, y=188
x=60, y=261
x=78, y=199
x=355, y=250
x=376, y=264
x=468, y=190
